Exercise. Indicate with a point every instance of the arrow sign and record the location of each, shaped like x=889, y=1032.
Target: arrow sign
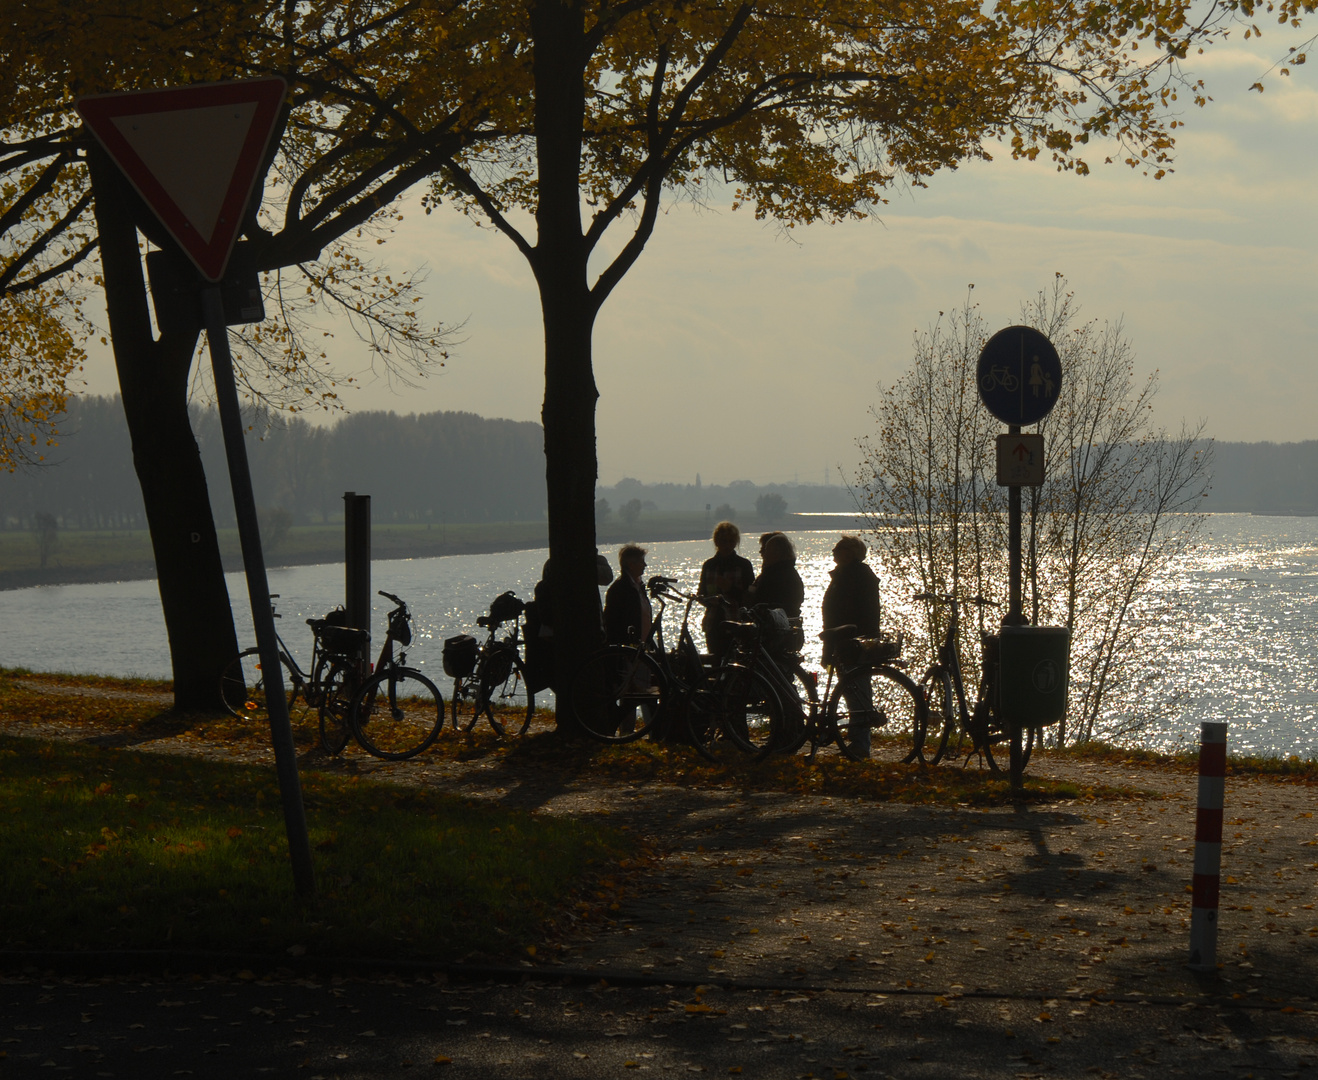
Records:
x=1020, y=460
x=194, y=154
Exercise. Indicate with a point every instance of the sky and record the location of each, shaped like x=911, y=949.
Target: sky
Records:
x=739, y=352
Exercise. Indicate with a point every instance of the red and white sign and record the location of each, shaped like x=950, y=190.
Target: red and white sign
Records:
x=1020, y=460
x=193, y=153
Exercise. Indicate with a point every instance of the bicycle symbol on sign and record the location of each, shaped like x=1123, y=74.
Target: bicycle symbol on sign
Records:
x=999, y=376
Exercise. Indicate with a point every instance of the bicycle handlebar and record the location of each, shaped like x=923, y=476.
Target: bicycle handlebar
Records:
x=390, y=596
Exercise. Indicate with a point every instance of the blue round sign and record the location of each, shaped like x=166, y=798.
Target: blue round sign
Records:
x=1020, y=375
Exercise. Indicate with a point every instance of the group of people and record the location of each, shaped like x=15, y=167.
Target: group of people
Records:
x=852, y=596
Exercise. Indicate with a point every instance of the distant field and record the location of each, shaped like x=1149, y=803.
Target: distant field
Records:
x=123, y=554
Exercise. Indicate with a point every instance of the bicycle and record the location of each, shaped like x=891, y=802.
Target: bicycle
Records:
x=622, y=692
x=491, y=680
x=397, y=712
x=999, y=375
x=867, y=691
x=242, y=683
x=766, y=699
x=944, y=689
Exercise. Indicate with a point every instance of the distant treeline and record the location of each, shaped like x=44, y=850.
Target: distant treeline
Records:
x=444, y=466
x=459, y=467
x=1265, y=477
x=739, y=497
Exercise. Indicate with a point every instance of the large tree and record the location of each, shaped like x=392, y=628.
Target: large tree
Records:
x=562, y=122
x=333, y=177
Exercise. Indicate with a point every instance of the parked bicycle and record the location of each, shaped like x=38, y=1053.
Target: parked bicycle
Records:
x=867, y=692
x=765, y=697
x=397, y=712
x=489, y=679
x=624, y=692
x=944, y=689
x=242, y=684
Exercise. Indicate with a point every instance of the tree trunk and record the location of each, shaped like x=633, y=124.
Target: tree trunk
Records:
x=153, y=380
x=568, y=309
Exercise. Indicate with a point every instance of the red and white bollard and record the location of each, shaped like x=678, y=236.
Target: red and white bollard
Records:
x=1208, y=847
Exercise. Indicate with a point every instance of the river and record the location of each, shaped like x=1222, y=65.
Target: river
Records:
x=1239, y=644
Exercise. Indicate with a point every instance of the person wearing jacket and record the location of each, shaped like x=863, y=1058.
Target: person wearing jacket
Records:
x=779, y=585
x=726, y=575
x=852, y=597
x=627, y=611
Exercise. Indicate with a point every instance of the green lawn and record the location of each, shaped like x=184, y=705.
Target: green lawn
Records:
x=117, y=849
x=87, y=555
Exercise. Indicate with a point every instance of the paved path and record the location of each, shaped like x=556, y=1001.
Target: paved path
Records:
x=789, y=936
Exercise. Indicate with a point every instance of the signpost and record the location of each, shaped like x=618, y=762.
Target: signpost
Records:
x=195, y=154
x=1020, y=378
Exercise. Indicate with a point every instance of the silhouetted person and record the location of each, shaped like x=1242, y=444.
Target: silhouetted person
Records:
x=852, y=597
x=727, y=575
x=779, y=585
x=627, y=612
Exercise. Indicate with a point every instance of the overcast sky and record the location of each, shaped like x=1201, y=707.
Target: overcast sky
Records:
x=735, y=352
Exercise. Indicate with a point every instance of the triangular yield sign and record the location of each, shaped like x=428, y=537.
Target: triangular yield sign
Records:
x=193, y=154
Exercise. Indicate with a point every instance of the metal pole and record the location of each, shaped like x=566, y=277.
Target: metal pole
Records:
x=1208, y=847
x=258, y=591
x=357, y=564
x=1015, y=610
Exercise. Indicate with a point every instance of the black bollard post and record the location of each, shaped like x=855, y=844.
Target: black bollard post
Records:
x=357, y=559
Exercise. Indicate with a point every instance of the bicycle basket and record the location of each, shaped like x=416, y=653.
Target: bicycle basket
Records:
x=779, y=633
x=460, y=656
x=343, y=640
x=868, y=651
x=506, y=606
x=400, y=628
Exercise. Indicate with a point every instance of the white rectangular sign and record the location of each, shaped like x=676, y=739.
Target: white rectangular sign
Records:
x=1020, y=460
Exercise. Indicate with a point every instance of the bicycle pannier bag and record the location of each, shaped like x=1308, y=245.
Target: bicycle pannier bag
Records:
x=460, y=656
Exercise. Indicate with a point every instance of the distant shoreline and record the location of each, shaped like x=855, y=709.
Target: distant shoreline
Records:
x=84, y=558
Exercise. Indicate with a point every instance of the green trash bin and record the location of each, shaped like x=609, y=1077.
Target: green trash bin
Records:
x=1034, y=666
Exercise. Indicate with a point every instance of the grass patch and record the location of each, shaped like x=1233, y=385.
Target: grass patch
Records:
x=117, y=849
x=1292, y=768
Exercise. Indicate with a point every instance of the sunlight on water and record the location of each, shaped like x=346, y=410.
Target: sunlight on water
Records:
x=1235, y=642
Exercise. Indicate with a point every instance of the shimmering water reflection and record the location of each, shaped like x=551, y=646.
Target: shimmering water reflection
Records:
x=1236, y=642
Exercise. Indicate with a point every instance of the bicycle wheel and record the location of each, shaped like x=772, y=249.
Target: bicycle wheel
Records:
x=617, y=694
x=397, y=713
x=504, y=698
x=751, y=714
x=337, y=690
x=936, y=687
x=242, y=686
x=881, y=698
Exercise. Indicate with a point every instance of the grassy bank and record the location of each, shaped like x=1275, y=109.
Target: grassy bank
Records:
x=118, y=849
x=115, y=555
